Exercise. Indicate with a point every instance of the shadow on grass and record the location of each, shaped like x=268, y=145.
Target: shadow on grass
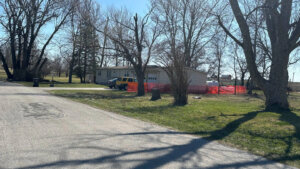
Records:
x=149, y=109
x=294, y=120
x=179, y=153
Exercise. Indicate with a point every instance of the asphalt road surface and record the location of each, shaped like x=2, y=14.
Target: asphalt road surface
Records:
x=38, y=130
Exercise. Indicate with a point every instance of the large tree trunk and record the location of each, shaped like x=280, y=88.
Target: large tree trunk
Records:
x=276, y=88
x=180, y=84
x=180, y=96
x=22, y=75
x=141, y=89
x=276, y=96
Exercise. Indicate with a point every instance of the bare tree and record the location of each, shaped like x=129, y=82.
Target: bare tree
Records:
x=57, y=65
x=282, y=22
x=219, y=44
x=241, y=64
x=134, y=39
x=187, y=29
x=23, y=21
x=104, y=45
x=74, y=31
x=82, y=47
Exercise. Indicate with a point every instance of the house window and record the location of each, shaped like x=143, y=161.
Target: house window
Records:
x=99, y=73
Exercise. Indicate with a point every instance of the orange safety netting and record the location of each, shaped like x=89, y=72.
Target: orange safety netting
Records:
x=226, y=89
x=195, y=89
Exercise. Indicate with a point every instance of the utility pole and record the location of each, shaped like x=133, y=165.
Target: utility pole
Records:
x=293, y=76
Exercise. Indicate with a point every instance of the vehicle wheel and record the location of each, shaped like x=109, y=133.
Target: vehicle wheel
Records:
x=110, y=87
x=120, y=88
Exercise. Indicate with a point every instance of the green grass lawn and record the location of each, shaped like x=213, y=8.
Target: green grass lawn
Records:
x=2, y=74
x=237, y=121
x=63, y=82
x=59, y=82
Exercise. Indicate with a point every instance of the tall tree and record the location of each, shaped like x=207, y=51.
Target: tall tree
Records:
x=187, y=29
x=23, y=22
x=82, y=47
x=282, y=23
x=74, y=31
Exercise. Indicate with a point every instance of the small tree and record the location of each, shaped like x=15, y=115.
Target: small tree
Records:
x=241, y=67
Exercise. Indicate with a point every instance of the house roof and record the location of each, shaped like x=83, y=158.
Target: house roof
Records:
x=149, y=66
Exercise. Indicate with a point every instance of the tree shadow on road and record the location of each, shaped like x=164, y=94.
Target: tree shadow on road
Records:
x=97, y=95
x=181, y=153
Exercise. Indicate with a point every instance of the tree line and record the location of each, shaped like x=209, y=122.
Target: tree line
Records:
x=254, y=37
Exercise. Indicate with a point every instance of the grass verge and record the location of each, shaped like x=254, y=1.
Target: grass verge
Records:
x=59, y=82
x=237, y=121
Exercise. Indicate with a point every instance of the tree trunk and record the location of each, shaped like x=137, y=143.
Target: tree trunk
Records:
x=81, y=80
x=276, y=96
x=180, y=85
x=141, y=88
x=22, y=75
x=219, y=73
x=275, y=88
x=250, y=85
x=8, y=74
x=242, y=79
x=85, y=66
x=71, y=69
x=180, y=96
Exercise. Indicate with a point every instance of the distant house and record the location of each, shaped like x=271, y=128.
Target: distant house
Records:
x=226, y=77
x=154, y=74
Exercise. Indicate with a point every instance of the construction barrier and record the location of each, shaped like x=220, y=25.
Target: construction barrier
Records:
x=226, y=89
x=194, y=89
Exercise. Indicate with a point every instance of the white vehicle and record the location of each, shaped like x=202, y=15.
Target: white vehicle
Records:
x=212, y=83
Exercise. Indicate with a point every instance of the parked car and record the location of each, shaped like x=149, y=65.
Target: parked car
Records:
x=122, y=82
x=112, y=83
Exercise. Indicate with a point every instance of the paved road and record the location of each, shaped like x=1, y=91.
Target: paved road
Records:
x=73, y=88
x=38, y=130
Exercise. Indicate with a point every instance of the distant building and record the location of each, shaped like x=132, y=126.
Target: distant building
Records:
x=295, y=86
x=226, y=77
x=154, y=74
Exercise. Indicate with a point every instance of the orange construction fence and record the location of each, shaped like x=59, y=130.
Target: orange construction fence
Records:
x=195, y=89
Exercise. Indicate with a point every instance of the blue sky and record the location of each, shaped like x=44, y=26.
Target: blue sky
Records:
x=134, y=6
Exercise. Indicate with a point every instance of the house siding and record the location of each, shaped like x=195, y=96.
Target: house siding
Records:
x=152, y=75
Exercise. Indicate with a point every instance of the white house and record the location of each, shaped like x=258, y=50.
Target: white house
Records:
x=154, y=74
